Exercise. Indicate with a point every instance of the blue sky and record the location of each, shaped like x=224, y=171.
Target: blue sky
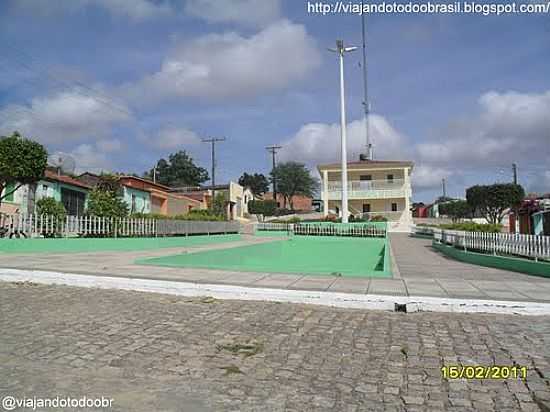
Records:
x=118, y=84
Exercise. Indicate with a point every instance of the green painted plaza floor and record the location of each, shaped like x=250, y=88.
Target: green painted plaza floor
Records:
x=304, y=255
x=78, y=245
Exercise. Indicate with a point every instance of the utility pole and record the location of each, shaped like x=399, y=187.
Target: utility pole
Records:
x=341, y=49
x=273, y=150
x=366, y=104
x=443, y=182
x=515, y=173
x=212, y=142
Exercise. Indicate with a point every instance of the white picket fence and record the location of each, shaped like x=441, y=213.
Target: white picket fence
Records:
x=535, y=247
x=19, y=225
x=270, y=227
x=327, y=229
x=341, y=229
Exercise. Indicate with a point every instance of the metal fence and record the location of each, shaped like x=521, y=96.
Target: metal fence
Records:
x=271, y=227
x=19, y=225
x=341, y=229
x=535, y=247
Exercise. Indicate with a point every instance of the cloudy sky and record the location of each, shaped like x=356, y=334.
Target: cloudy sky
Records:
x=120, y=83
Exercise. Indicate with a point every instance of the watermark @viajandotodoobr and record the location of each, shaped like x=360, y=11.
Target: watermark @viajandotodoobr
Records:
x=12, y=403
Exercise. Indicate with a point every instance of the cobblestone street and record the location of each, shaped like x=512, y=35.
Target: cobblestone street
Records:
x=153, y=352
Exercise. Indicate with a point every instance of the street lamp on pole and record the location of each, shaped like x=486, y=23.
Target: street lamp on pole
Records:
x=341, y=49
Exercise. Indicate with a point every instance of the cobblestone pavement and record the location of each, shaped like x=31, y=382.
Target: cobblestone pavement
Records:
x=153, y=352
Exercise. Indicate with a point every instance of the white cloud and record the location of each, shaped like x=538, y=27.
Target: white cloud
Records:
x=247, y=12
x=136, y=10
x=510, y=127
x=318, y=143
x=62, y=117
x=425, y=176
x=172, y=138
x=110, y=145
x=218, y=66
x=89, y=158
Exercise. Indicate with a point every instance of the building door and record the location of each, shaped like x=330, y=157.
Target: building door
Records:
x=73, y=201
x=366, y=207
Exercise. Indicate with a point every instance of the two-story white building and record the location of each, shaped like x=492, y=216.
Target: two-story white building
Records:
x=375, y=188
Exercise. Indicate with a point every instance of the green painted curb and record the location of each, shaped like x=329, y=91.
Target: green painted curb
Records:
x=499, y=262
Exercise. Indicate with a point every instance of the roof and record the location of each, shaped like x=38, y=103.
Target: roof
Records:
x=198, y=196
x=147, y=181
x=374, y=164
x=50, y=175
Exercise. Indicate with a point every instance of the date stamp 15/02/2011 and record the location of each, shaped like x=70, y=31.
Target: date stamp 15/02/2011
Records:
x=484, y=372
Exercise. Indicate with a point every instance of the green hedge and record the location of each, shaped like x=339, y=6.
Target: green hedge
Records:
x=473, y=227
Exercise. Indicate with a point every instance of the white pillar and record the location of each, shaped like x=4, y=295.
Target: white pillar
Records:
x=408, y=193
x=345, y=211
x=325, y=193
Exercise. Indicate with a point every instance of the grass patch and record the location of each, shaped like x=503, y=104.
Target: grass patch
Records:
x=246, y=348
x=231, y=370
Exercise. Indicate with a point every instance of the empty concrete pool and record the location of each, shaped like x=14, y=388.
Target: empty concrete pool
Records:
x=319, y=255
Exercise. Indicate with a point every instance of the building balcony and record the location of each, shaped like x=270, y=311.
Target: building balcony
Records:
x=368, y=189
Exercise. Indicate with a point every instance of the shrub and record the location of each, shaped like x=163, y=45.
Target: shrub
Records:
x=106, y=204
x=51, y=207
x=283, y=211
x=262, y=207
x=378, y=218
x=473, y=227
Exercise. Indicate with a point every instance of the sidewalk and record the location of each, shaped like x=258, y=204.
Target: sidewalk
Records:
x=420, y=271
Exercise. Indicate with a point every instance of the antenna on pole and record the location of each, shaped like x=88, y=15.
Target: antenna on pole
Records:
x=366, y=104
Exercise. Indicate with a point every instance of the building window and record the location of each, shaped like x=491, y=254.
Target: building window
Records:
x=9, y=188
x=366, y=207
x=390, y=178
x=45, y=189
x=365, y=177
x=133, y=203
x=394, y=207
x=73, y=201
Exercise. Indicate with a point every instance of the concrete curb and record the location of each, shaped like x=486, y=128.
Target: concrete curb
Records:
x=520, y=265
x=334, y=299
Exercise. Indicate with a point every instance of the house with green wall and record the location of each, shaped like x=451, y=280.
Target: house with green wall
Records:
x=138, y=199
x=65, y=189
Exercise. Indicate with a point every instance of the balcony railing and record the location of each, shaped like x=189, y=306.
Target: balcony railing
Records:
x=368, y=189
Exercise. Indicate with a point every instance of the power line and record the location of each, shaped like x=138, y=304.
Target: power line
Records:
x=273, y=150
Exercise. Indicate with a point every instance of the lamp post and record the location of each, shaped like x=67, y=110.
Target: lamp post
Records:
x=341, y=49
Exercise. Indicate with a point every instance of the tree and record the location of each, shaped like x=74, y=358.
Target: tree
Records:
x=294, y=179
x=494, y=200
x=262, y=208
x=22, y=161
x=257, y=183
x=456, y=209
x=106, y=203
x=218, y=205
x=178, y=170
